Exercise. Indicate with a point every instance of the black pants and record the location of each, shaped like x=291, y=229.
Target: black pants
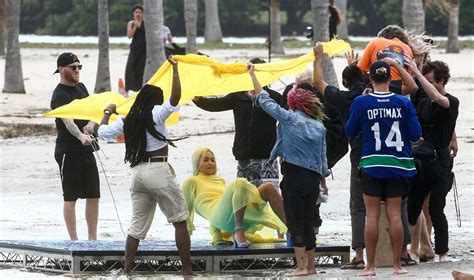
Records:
x=300, y=190
x=438, y=185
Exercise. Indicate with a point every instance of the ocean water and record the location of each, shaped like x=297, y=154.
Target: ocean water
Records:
x=32, y=38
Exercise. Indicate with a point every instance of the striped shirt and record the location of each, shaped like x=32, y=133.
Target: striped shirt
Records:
x=388, y=123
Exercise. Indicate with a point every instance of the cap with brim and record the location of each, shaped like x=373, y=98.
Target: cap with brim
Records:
x=379, y=69
x=65, y=59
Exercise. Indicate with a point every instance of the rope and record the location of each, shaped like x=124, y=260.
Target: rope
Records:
x=456, y=201
x=95, y=147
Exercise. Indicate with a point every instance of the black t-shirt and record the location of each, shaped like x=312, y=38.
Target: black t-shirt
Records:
x=255, y=130
x=437, y=123
x=342, y=100
x=65, y=141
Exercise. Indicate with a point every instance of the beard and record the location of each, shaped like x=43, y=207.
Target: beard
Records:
x=72, y=77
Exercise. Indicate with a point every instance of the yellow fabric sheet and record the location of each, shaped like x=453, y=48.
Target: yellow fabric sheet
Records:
x=200, y=76
x=209, y=196
x=90, y=108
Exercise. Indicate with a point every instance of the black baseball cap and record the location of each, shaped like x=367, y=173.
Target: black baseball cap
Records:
x=380, y=70
x=65, y=59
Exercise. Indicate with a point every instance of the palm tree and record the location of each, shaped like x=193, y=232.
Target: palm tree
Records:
x=212, y=29
x=2, y=27
x=413, y=16
x=155, y=47
x=13, y=71
x=276, y=45
x=451, y=8
x=319, y=9
x=190, y=20
x=342, y=31
x=453, y=27
x=102, y=81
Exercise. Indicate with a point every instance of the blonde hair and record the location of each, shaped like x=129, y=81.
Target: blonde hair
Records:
x=197, y=158
x=420, y=43
x=306, y=76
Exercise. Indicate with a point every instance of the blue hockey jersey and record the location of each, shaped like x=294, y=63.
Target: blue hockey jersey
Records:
x=388, y=123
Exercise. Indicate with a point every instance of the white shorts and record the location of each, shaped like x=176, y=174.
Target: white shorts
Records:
x=152, y=183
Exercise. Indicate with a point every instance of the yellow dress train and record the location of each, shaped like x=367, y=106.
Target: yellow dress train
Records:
x=211, y=199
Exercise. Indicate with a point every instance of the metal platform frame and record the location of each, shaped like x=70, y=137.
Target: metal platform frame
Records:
x=231, y=260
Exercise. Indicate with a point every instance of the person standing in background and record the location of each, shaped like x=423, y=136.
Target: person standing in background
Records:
x=137, y=55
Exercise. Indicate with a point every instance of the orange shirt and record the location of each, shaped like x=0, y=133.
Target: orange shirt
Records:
x=379, y=48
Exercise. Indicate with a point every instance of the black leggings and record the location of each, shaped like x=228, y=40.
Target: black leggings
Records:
x=300, y=189
x=437, y=185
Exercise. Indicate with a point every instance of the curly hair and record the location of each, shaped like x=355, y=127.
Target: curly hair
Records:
x=440, y=70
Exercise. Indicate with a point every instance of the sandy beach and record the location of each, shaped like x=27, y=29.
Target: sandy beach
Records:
x=31, y=196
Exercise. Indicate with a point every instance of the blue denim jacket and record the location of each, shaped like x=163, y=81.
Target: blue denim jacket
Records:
x=301, y=140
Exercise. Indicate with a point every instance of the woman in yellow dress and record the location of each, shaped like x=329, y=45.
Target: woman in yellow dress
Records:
x=236, y=208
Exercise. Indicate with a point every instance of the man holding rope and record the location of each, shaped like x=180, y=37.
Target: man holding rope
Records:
x=74, y=150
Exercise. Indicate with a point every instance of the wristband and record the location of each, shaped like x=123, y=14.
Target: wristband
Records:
x=107, y=112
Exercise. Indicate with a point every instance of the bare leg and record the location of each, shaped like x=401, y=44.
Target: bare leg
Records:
x=131, y=247
x=359, y=253
x=372, y=206
x=92, y=216
x=396, y=232
x=69, y=213
x=426, y=212
x=301, y=262
x=415, y=238
x=310, y=261
x=183, y=243
x=270, y=194
x=425, y=250
x=239, y=223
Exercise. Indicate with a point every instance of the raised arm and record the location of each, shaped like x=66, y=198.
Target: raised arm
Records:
x=176, y=86
x=256, y=84
x=408, y=84
x=318, y=79
x=430, y=90
x=131, y=28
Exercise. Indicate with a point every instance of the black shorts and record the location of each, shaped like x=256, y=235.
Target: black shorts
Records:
x=385, y=188
x=79, y=175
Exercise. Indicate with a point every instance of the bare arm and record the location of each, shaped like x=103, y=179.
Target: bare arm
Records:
x=176, y=86
x=76, y=132
x=318, y=79
x=408, y=84
x=131, y=29
x=108, y=111
x=453, y=145
x=256, y=84
x=430, y=90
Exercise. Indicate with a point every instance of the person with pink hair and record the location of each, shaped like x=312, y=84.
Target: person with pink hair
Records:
x=301, y=146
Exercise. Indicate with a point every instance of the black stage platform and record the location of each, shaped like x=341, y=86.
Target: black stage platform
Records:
x=154, y=256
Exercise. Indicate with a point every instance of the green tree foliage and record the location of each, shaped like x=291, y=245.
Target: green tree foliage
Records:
x=238, y=18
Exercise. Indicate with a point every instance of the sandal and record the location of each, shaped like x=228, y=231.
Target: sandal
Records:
x=407, y=261
x=354, y=264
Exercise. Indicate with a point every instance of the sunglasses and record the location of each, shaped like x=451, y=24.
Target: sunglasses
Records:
x=74, y=67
